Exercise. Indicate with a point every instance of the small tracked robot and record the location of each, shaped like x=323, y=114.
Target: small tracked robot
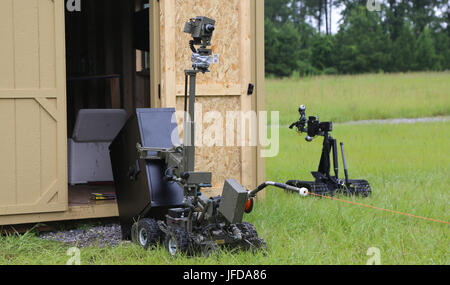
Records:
x=324, y=183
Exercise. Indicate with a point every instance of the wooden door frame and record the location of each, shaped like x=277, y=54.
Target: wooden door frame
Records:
x=155, y=55
x=258, y=77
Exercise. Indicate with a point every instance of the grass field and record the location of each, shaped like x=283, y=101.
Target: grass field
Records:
x=361, y=97
x=408, y=167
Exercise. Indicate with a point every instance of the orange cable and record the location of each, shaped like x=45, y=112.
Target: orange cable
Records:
x=373, y=207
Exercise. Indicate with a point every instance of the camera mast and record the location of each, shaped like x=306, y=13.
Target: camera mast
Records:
x=201, y=30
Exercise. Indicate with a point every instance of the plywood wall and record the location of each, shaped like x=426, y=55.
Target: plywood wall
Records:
x=223, y=161
x=225, y=41
x=224, y=88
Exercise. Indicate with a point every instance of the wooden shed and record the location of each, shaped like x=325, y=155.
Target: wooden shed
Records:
x=56, y=59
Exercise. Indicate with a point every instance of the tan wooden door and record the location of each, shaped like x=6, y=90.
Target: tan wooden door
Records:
x=33, y=149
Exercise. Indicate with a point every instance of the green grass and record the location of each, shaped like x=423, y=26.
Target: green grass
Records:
x=407, y=166
x=361, y=97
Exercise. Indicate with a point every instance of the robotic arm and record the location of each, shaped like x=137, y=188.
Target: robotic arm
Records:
x=312, y=126
x=301, y=123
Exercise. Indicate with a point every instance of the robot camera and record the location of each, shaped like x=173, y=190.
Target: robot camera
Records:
x=201, y=29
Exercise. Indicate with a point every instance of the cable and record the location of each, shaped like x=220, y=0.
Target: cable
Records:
x=377, y=208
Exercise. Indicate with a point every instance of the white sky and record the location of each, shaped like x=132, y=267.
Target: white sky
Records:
x=335, y=17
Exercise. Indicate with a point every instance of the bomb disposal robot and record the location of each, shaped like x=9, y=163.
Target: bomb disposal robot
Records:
x=198, y=224
x=324, y=183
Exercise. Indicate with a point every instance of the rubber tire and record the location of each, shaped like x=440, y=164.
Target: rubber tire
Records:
x=248, y=230
x=181, y=238
x=134, y=233
x=152, y=230
x=210, y=249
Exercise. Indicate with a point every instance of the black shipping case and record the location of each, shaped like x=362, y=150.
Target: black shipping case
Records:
x=140, y=188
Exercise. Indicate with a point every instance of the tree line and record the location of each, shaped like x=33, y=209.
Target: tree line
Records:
x=398, y=36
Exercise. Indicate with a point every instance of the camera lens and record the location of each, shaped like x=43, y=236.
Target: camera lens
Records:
x=209, y=28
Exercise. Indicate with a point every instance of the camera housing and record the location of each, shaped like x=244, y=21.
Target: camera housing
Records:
x=317, y=128
x=201, y=30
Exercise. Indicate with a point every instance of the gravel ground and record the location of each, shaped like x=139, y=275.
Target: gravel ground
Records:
x=101, y=236
x=399, y=121
x=388, y=121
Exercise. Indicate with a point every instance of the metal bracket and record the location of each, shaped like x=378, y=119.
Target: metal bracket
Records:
x=143, y=151
x=251, y=88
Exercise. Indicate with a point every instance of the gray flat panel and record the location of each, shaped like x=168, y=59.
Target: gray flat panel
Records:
x=98, y=125
x=158, y=127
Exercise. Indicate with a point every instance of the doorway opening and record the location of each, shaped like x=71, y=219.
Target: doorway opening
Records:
x=108, y=77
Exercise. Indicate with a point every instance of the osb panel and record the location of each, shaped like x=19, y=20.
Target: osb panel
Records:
x=225, y=43
x=224, y=162
x=167, y=48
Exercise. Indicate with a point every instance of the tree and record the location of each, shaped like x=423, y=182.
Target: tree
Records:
x=405, y=35
x=322, y=52
x=361, y=43
x=396, y=17
x=330, y=11
x=425, y=55
x=442, y=48
x=277, y=11
x=271, y=46
x=349, y=5
x=403, y=49
x=282, y=47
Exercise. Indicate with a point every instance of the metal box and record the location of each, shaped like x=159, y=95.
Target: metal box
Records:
x=140, y=188
x=88, y=155
x=232, y=205
x=88, y=162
